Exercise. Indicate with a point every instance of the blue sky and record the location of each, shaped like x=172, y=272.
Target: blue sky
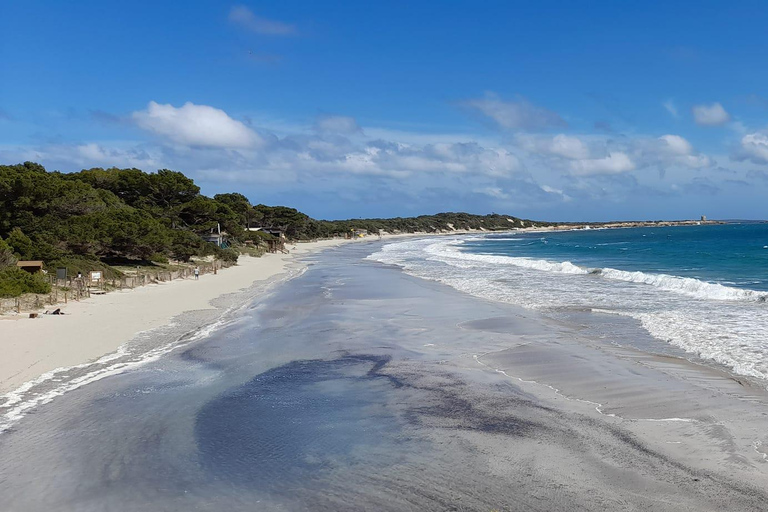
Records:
x=547, y=110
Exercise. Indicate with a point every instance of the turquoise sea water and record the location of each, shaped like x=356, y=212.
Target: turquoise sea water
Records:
x=699, y=288
x=730, y=254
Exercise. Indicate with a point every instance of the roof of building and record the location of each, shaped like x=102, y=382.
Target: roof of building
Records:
x=30, y=263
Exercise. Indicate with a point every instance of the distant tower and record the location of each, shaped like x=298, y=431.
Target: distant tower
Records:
x=703, y=218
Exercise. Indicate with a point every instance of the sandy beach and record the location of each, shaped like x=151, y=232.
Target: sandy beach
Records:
x=98, y=326
x=356, y=386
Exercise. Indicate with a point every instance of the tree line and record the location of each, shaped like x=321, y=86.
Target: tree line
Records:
x=98, y=216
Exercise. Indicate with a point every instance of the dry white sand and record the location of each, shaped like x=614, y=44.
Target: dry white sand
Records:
x=98, y=326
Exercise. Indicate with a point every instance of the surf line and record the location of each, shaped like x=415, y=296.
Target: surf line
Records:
x=598, y=406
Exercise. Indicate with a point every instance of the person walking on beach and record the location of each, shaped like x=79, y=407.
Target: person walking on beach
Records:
x=197, y=273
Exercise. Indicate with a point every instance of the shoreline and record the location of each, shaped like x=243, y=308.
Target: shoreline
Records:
x=107, y=334
x=104, y=335
x=99, y=326
x=49, y=343
x=378, y=372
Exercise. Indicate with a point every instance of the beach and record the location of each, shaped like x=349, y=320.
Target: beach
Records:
x=352, y=385
x=100, y=327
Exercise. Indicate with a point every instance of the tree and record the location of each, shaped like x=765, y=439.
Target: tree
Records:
x=290, y=220
x=7, y=259
x=168, y=191
x=21, y=244
x=130, y=185
x=240, y=205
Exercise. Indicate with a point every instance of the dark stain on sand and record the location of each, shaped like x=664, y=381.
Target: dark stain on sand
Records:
x=294, y=422
x=298, y=420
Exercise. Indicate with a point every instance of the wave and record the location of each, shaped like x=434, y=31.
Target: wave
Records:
x=686, y=285
x=722, y=324
x=689, y=286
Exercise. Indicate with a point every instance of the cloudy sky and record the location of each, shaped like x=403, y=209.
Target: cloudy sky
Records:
x=547, y=110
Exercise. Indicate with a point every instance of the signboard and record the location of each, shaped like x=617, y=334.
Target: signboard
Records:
x=61, y=274
x=95, y=275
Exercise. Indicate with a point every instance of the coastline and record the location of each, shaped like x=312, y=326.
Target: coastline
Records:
x=357, y=386
x=108, y=334
x=100, y=326
x=96, y=327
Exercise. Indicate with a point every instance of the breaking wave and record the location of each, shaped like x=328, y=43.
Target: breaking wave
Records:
x=684, y=285
x=713, y=321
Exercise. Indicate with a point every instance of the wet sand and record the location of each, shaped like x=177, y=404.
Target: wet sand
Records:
x=98, y=326
x=357, y=387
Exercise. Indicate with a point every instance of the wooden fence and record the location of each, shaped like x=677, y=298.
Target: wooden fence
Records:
x=77, y=289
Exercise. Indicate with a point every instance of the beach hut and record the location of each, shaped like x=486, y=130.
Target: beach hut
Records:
x=276, y=245
x=32, y=267
x=276, y=232
x=217, y=236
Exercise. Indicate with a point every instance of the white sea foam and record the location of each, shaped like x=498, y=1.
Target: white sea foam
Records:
x=685, y=285
x=19, y=402
x=717, y=322
x=15, y=404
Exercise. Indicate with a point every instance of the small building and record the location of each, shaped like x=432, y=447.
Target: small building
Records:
x=214, y=238
x=276, y=232
x=276, y=245
x=703, y=218
x=32, y=266
x=217, y=236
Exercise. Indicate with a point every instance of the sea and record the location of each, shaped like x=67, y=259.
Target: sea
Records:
x=701, y=290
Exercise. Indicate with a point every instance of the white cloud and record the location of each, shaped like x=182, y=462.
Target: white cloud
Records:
x=614, y=163
x=572, y=154
x=333, y=155
x=560, y=145
x=551, y=190
x=671, y=108
x=337, y=124
x=195, y=125
x=83, y=156
x=556, y=191
x=569, y=147
x=669, y=151
x=243, y=16
x=461, y=158
x=516, y=115
x=676, y=145
x=710, y=115
x=495, y=192
x=755, y=147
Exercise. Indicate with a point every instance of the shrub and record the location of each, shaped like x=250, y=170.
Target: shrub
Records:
x=158, y=257
x=75, y=264
x=185, y=244
x=229, y=255
x=15, y=282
